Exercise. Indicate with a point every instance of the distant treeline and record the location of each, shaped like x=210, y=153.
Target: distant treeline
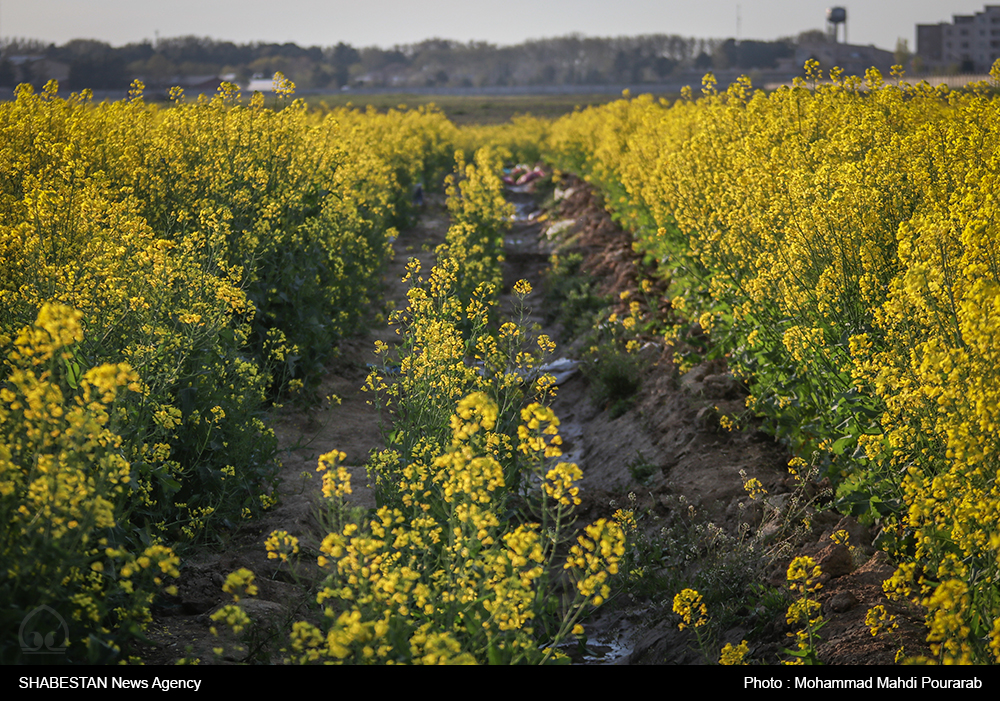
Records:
x=565, y=60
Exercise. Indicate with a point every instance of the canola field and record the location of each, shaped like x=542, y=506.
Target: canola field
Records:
x=840, y=238
x=167, y=273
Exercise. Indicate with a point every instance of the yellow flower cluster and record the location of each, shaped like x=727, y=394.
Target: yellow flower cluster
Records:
x=480, y=217
x=689, y=606
x=878, y=619
x=220, y=249
x=336, y=477
x=597, y=554
x=240, y=583
x=559, y=484
x=754, y=488
x=63, y=483
x=233, y=616
x=734, y=655
x=445, y=558
x=539, y=432
x=803, y=578
x=280, y=545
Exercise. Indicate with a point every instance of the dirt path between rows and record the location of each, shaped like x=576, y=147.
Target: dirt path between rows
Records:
x=666, y=458
x=342, y=421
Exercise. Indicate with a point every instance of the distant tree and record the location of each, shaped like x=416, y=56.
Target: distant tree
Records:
x=571, y=59
x=663, y=66
x=341, y=58
x=208, y=52
x=756, y=54
x=901, y=56
x=130, y=53
x=25, y=47
x=502, y=73
x=158, y=70
x=623, y=66
x=7, y=76
x=812, y=36
x=680, y=49
x=344, y=55
x=373, y=58
x=720, y=59
x=93, y=64
x=431, y=46
x=546, y=75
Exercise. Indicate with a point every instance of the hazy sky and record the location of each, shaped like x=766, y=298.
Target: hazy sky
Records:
x=388, y=22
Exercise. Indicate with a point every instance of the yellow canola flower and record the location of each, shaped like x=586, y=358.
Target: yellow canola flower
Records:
x=559, y=483
x=280, y=545
x=734, y=655
x=689, y=606
x=597, y=555
x=850, y=227
x=803, y=575
x=240, y=583
x=754, y=488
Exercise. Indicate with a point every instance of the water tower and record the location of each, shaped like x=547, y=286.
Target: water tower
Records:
x=836, y=16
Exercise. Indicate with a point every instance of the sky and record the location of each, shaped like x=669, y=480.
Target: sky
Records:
x=389, y=22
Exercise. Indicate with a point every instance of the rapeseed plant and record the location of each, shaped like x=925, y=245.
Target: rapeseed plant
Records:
x=803, y=581
x=688, y=604
x=837, y=237
x=220, y=250
x=734, y=655
x=63, y=484
x=444, y=572
x=442, y=575
x=818, y=225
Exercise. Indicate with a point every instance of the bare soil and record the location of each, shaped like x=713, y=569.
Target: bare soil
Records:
x=668, y=451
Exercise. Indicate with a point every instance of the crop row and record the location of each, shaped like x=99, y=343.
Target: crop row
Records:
x=839, y=238
x=164, y=274
x=463, y=560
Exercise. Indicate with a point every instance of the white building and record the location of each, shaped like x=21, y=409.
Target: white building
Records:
x=970, y=43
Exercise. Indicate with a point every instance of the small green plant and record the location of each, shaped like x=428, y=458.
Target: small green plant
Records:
x=573, y=301
x=641, y=469
x=615, y=377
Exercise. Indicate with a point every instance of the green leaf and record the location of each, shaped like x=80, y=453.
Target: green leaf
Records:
x=74, y=372
x=495, y=656
x=841, y=444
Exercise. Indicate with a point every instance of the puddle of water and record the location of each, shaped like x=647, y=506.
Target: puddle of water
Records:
x=596, y=652
x=607, y=652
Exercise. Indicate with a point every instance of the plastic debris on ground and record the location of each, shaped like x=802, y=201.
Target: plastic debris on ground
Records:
x=526, y=212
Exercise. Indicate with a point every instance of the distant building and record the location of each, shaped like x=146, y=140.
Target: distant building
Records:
x=193, y=85
x=970, y=43
x=852, y=58
x=202, y=83
x=259, y=83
